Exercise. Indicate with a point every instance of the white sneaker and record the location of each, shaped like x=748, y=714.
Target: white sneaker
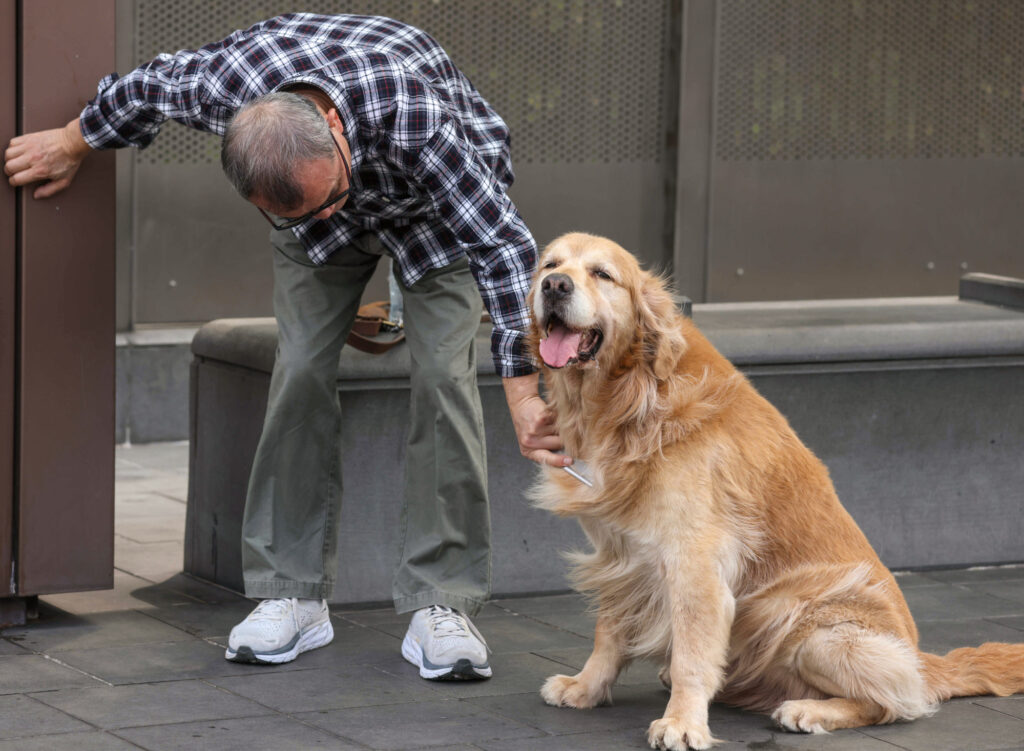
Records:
x=445, y=646
x=279, y=631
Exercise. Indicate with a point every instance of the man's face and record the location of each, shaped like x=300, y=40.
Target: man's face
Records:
x=320, y=180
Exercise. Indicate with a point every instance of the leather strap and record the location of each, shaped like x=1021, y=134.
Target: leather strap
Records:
x=370, y=319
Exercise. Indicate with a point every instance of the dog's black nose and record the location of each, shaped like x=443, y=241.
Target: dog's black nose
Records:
x=556, y=286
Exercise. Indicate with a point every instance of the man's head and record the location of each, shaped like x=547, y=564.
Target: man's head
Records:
x=279, y=152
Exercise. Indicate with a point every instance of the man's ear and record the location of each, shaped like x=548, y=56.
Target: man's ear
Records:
x=334, y=120
x=658, y=322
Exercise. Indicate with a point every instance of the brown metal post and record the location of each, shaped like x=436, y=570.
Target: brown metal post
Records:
x=66, y=357
x=8, y=287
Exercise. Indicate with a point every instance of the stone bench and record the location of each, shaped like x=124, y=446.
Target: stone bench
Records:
x=914, y=404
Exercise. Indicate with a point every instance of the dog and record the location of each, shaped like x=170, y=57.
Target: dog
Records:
x=720, y=547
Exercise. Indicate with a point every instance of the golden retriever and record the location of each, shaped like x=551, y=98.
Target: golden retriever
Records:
x=719, y=545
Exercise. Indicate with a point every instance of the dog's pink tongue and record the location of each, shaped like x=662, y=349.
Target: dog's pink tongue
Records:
x=561, y=346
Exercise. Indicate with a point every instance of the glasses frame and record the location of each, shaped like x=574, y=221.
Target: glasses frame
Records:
x=290, y=223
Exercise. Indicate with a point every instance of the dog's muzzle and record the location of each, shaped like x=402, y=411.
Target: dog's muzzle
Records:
x=563, y=344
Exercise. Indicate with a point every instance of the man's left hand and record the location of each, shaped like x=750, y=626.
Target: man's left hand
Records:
x=534, y=422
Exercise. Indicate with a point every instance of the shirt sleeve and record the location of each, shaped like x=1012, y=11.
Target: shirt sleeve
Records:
x=474, y=206
x=129, y=110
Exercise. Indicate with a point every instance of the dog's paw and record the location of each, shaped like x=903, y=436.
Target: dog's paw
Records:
x=673, y=734
x=566, y=691
x=800, y=716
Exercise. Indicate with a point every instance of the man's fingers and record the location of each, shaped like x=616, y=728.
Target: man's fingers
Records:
x=550, y=458
x=15, y=165
x=49, y=189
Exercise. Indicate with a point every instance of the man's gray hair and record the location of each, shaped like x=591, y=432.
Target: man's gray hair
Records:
x=266, y=139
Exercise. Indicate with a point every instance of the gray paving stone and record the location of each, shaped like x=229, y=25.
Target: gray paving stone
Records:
x=198, y=590
x=571, y=602
x=632, y=707
x=948, y=602
x=1011, y=705
x=593, y=741
x=972, y=576
x=150, y=704
x=57, y=631
x=959, y=725
x=149, y=517
x=24, y=717
x=153, y=561
x=129, y=593
x=92, y=741
x=637, y=673
x=268, y=733
x=147, y=663
x=20, y=674
x=12, y=645
x=514, y=673
x=147, y=458
x=911, y=579
x=325, y=689
x=203, y=619
x=421, y=725
x=1006, y=589
x=941, y=636
x=581, y=623
x=1016, y=622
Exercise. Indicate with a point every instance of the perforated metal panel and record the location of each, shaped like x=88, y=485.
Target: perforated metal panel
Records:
x=864, y=148
x=868, y=79
x=577, y=81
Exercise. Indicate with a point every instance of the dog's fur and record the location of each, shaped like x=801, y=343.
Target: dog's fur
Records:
x=719, y=545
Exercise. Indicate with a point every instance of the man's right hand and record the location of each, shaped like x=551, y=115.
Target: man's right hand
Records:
x=48, y=156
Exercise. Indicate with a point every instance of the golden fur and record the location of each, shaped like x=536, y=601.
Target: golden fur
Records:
x=719, y=545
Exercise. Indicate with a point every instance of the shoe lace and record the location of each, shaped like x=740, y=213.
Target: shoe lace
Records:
x=445, y=621
x=274, y=610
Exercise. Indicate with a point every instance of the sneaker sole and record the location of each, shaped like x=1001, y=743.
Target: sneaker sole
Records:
x=319, y=636
x=462, y=670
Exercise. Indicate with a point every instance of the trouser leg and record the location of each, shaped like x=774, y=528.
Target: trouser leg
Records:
x=446, y=554
x=289, y=533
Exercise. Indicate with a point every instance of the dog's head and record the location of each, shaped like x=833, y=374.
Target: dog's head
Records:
x=594, y=308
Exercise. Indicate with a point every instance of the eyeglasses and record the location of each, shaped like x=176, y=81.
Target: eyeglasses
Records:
x=289, y=223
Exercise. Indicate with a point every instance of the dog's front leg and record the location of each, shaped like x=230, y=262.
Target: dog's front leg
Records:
x=592, y=685
x=702, y=609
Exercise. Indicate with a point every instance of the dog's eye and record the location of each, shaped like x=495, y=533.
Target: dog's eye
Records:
x=602, y=274
x=550, y=264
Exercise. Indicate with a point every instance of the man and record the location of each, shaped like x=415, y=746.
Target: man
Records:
x=356, y=137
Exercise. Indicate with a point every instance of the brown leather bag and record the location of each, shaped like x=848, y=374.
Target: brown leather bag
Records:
x=371, y=321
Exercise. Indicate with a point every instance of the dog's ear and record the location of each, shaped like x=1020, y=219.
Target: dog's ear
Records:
x=659, y=326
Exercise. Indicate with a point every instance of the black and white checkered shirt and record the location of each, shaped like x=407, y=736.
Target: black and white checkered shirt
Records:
x=430, y=158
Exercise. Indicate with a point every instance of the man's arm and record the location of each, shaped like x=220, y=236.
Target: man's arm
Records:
x=49, y=156
x=533, y=421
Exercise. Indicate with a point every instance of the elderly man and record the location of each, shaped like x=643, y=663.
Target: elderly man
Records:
x=356, y=138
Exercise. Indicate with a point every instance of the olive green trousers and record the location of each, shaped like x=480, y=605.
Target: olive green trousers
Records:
x=289, y=532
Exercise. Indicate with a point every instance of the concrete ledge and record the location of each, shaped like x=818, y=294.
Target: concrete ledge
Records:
x=152, y=385
x=911, y=403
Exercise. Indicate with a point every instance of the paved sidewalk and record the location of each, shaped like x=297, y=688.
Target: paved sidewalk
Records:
x=141, y=666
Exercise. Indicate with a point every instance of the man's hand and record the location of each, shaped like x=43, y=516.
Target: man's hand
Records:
x=49, y=156
x=534, y=422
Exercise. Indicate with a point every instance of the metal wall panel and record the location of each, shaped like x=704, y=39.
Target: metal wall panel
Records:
x=587, y=89
x=8, y=287
x=865, y=148
x=66, y=475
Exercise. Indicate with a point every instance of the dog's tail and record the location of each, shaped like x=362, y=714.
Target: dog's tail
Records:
x=992, y=668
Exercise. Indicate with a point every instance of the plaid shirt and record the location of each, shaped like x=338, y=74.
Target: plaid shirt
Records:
x=430, y=158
